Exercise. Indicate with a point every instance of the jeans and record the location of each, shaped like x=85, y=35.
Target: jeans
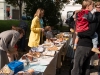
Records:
x=95, y=40
x=82, y=61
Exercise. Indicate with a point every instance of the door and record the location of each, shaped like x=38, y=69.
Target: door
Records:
x=15, y=14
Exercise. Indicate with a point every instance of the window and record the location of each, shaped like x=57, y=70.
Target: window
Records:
x=69, y=14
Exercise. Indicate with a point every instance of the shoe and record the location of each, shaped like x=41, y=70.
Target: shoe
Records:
x=96, y=50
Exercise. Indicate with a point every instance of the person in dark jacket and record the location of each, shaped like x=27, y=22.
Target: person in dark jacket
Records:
x=82, y=23
x=97, y=14
x=22, y=41
x=83, y=51
x=70, y=21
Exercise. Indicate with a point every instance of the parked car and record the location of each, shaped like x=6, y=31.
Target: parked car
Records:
x=26, y=18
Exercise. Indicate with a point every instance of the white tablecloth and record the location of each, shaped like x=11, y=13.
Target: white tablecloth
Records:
x=47, y=65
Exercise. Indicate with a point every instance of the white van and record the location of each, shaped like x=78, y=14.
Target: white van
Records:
x=68, y=10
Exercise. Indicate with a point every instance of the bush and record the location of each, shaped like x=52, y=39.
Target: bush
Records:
x=62, y=29
x=7, y=24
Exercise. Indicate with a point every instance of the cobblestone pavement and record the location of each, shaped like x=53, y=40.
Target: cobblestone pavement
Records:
x=66, y=66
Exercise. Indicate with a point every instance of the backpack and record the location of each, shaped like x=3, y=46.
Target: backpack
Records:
x=23, y=25
x=70, y=22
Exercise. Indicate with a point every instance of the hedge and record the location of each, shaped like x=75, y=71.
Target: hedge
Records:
x=6, y=25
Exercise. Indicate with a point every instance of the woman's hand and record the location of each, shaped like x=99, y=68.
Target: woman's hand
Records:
x=15, y=54
x=42, y=29
x=8, y=54
x=77, y=11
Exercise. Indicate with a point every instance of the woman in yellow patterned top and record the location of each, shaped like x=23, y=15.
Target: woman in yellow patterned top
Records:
x=34, y=38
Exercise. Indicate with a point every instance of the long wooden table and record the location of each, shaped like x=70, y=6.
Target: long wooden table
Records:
x=52, y=63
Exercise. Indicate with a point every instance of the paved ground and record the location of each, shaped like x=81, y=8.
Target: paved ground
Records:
x=66, y=66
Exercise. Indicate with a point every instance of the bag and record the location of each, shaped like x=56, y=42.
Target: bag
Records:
x=70, y=22
x=16, y=66
x=6, y=71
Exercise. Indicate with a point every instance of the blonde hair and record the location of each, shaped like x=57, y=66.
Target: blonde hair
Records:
x=47, y=28
x=97, y=4
x=13, y=27
x=86, y=3
x=38, y=12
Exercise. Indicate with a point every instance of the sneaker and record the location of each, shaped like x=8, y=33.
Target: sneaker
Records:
x=96, y=50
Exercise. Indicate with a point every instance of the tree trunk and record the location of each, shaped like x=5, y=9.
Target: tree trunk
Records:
x=20, y=11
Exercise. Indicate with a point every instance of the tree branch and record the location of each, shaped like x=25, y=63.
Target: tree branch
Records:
x=29, y=2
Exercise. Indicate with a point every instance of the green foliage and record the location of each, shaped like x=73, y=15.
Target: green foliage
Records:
x=80, y=1
x=15, y=2
x=7, y=24
x=51, y=10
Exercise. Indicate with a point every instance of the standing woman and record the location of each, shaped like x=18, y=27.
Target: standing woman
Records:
x=36, y=30
x=8, y=40
x=42, y=35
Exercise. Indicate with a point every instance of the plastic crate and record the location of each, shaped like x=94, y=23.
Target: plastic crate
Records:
x=16, y=66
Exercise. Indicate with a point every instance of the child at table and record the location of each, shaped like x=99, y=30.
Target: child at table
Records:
x=48, y=33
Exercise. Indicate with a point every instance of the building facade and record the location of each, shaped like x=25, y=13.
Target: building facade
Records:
x=7, y=11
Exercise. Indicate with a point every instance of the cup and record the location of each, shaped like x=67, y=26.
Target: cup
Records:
x=23, y=57
x=35, y=59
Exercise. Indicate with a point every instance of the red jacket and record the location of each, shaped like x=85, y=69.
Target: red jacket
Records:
x=82, y=23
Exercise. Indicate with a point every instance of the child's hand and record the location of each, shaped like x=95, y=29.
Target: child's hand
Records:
x=72, y=30
x=77, y=11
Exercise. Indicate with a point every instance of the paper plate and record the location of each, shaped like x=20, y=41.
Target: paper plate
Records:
x=34, y=63
x=44, y=62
